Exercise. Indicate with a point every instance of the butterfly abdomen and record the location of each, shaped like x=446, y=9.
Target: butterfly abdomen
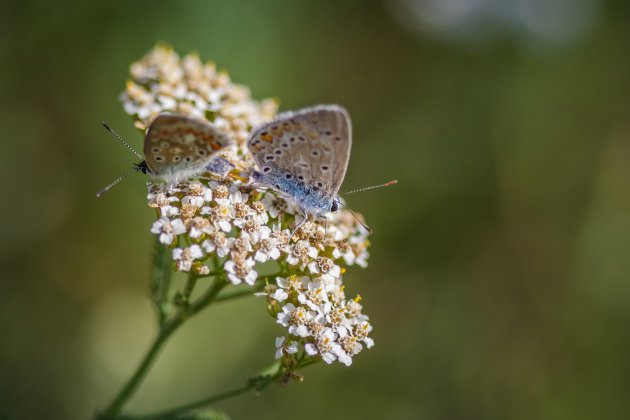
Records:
x=310, y=199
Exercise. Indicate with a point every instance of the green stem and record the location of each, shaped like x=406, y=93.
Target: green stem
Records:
x=238, y=293
x=190, y=285
x=177, y=412
x=166, y=331
x=161, y=279
x=247, y=290
x=270, y=375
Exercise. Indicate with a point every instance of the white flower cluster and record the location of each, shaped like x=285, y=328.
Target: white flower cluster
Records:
x=162, y=81
x=226, y=227
x=315, y=312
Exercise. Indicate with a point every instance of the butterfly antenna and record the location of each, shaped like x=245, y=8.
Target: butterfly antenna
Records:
x=355, y=216
x=387, y=184
x=120, y=178
x=108, y=128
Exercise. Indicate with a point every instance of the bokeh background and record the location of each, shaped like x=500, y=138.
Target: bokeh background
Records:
x=499, y=283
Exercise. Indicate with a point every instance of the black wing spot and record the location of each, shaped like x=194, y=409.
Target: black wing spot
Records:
x=288, y=176
x=301, y=177
x=319, y=184
x=302, y=139
x=201, y=152
x=266, y=169
x=324, y=168
x=292, y=139
x=328, y=133
x=158, y=158
x=155, y=150
x=270, y=157
x=188, y=159
x=338, y=138
x=315, y=153
x=176, y=158
x=278, y=152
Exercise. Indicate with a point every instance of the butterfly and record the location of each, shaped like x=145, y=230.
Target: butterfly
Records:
x=304, y=156
x=176, y=148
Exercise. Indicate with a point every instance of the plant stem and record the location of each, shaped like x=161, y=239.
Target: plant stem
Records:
x=247, y=290
x=263, y=380
x=161, y=279
x=190, y=285
x=166, y=331
x=238, y=293
x=176, y=412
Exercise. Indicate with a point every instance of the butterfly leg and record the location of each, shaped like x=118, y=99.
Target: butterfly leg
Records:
x=323, y=216
x=304, y=219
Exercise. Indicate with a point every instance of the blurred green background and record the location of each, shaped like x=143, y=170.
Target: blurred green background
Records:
x=499, y=282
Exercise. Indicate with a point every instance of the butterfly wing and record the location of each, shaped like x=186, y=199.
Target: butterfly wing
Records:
x=178, y=147
x=305, y=154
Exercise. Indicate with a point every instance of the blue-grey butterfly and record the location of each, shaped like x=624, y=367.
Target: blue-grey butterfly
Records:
x=176, y=148
x=304, y=156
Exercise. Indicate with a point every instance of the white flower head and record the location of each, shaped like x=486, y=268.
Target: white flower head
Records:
x=282, y=348
x=241, y=270
x=168, y=229
x=186, y=256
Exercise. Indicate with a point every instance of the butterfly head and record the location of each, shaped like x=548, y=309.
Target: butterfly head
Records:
x=141, y=167
x=335, y=204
